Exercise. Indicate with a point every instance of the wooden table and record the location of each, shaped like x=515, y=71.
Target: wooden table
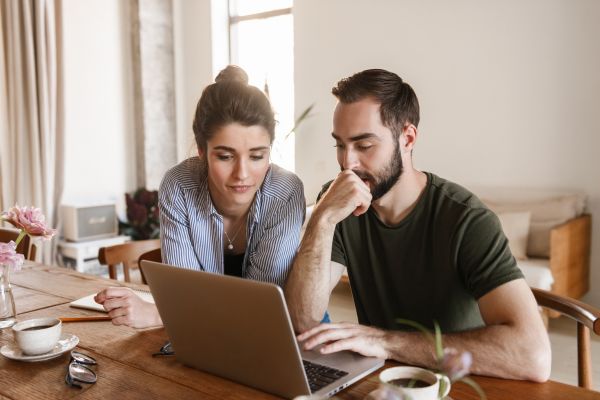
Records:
x=126, y=368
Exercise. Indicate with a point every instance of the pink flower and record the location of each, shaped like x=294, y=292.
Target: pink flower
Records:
x=9, y=255
x=455, y=365
x=29, y=219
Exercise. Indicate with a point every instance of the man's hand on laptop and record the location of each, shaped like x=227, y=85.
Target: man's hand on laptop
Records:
x=127, y=308
x=365, y=340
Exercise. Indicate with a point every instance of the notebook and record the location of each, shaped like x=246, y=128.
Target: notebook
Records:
x=240, y=329
x=88, y=302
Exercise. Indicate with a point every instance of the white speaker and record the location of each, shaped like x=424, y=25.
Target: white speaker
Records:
x=87, y=222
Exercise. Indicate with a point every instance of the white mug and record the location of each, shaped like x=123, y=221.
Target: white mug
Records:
x=37, y=336
x=429, y=392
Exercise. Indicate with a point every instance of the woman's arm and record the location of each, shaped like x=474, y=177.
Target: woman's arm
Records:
x=175, y=240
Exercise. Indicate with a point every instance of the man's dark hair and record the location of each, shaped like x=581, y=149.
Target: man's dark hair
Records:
x=399, y=105
x=231, y=100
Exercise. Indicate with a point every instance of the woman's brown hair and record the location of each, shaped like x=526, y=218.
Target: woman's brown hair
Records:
x=231, y=100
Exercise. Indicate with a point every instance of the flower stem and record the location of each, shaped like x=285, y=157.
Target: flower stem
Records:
x=475, y=387
x=21, y=236
x=439, y=348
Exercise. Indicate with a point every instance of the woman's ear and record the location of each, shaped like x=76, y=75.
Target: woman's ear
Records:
x=201, y=152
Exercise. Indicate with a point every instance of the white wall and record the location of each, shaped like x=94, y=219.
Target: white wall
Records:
x=99, y=157
x=193, y=65
x=509, y=90
x=100, y=139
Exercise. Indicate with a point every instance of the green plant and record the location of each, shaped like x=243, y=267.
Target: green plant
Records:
x=452, y=363
x=305, y=114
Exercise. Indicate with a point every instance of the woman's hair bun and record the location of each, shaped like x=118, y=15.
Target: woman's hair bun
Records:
x=232, y=73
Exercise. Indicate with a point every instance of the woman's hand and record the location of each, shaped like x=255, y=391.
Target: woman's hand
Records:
x=127, y=308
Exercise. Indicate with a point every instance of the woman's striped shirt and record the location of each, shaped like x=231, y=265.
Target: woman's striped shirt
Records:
x=191, y=229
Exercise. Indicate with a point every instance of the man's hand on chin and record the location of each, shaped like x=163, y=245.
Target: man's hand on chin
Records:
x=365, y=340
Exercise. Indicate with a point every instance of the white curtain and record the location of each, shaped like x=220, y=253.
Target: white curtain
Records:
x=31, y=108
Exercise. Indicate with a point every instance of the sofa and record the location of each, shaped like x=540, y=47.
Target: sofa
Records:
x=549, y=234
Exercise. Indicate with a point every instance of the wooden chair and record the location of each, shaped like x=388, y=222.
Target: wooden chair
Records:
x=25, y=247
x=152, y=255
x=126, y=254
x=587, y=318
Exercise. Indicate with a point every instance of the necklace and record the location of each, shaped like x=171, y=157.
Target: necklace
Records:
x=231, y=240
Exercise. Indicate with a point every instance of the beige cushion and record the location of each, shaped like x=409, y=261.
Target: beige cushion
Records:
x=537, y=273
x=516, y=228
x=513, y=195
x=545, y=215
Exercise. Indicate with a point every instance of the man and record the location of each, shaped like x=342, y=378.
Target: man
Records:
x=416, y=247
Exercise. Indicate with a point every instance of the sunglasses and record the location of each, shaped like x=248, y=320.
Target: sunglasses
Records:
x=166, y=350
x=79, y=370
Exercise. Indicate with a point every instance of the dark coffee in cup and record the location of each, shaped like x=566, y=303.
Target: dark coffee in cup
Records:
x=415, y=383
x=37, y=336
x=409, y=383
x=36, y=328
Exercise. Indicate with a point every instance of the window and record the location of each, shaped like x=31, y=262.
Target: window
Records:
x=261, y=35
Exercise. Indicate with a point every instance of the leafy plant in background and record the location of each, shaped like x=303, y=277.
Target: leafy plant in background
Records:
x=279, y=145
x=142, y=215
x=305, y=114
x=451, y=362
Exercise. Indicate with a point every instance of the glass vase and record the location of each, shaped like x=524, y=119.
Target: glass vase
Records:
x=8, y=311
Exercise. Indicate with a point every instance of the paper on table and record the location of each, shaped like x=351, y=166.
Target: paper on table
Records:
x=88, y=302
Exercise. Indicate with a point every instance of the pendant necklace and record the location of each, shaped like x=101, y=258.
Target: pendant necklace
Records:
x=230, y=245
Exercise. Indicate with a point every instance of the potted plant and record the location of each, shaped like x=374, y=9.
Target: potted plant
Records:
x=142, y=215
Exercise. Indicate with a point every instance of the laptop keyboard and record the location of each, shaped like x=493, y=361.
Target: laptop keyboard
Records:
x=320, y=376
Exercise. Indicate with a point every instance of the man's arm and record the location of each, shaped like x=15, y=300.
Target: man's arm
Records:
x=513, y=344
x=313, y=274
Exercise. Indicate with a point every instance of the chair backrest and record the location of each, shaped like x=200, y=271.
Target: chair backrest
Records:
x=126, y=254
x=25, y=247
x=587, y=318
x=152, y=255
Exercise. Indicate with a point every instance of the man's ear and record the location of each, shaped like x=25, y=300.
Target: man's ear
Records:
x=408, y=138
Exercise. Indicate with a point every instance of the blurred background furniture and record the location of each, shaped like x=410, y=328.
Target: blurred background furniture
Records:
x=126, y=254
x=152, y=255
x=83, y=256
x=25, y=247
x=587, y=318
x=549, y=234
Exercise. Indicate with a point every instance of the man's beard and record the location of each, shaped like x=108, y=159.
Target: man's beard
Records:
x=387, y=177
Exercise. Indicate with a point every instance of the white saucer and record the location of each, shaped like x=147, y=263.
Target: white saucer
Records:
x=67, y=342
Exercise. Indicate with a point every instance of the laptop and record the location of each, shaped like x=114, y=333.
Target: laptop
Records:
x=240, y=329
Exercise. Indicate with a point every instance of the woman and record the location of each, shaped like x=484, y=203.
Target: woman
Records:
x=228, y=210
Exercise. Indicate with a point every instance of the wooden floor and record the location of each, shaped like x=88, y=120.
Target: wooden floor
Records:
x=562, y=333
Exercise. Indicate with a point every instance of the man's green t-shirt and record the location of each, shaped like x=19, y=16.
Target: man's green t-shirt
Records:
x=444, y=255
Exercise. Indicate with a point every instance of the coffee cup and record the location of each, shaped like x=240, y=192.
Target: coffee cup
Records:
x=416, y=383
x=37, y=336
